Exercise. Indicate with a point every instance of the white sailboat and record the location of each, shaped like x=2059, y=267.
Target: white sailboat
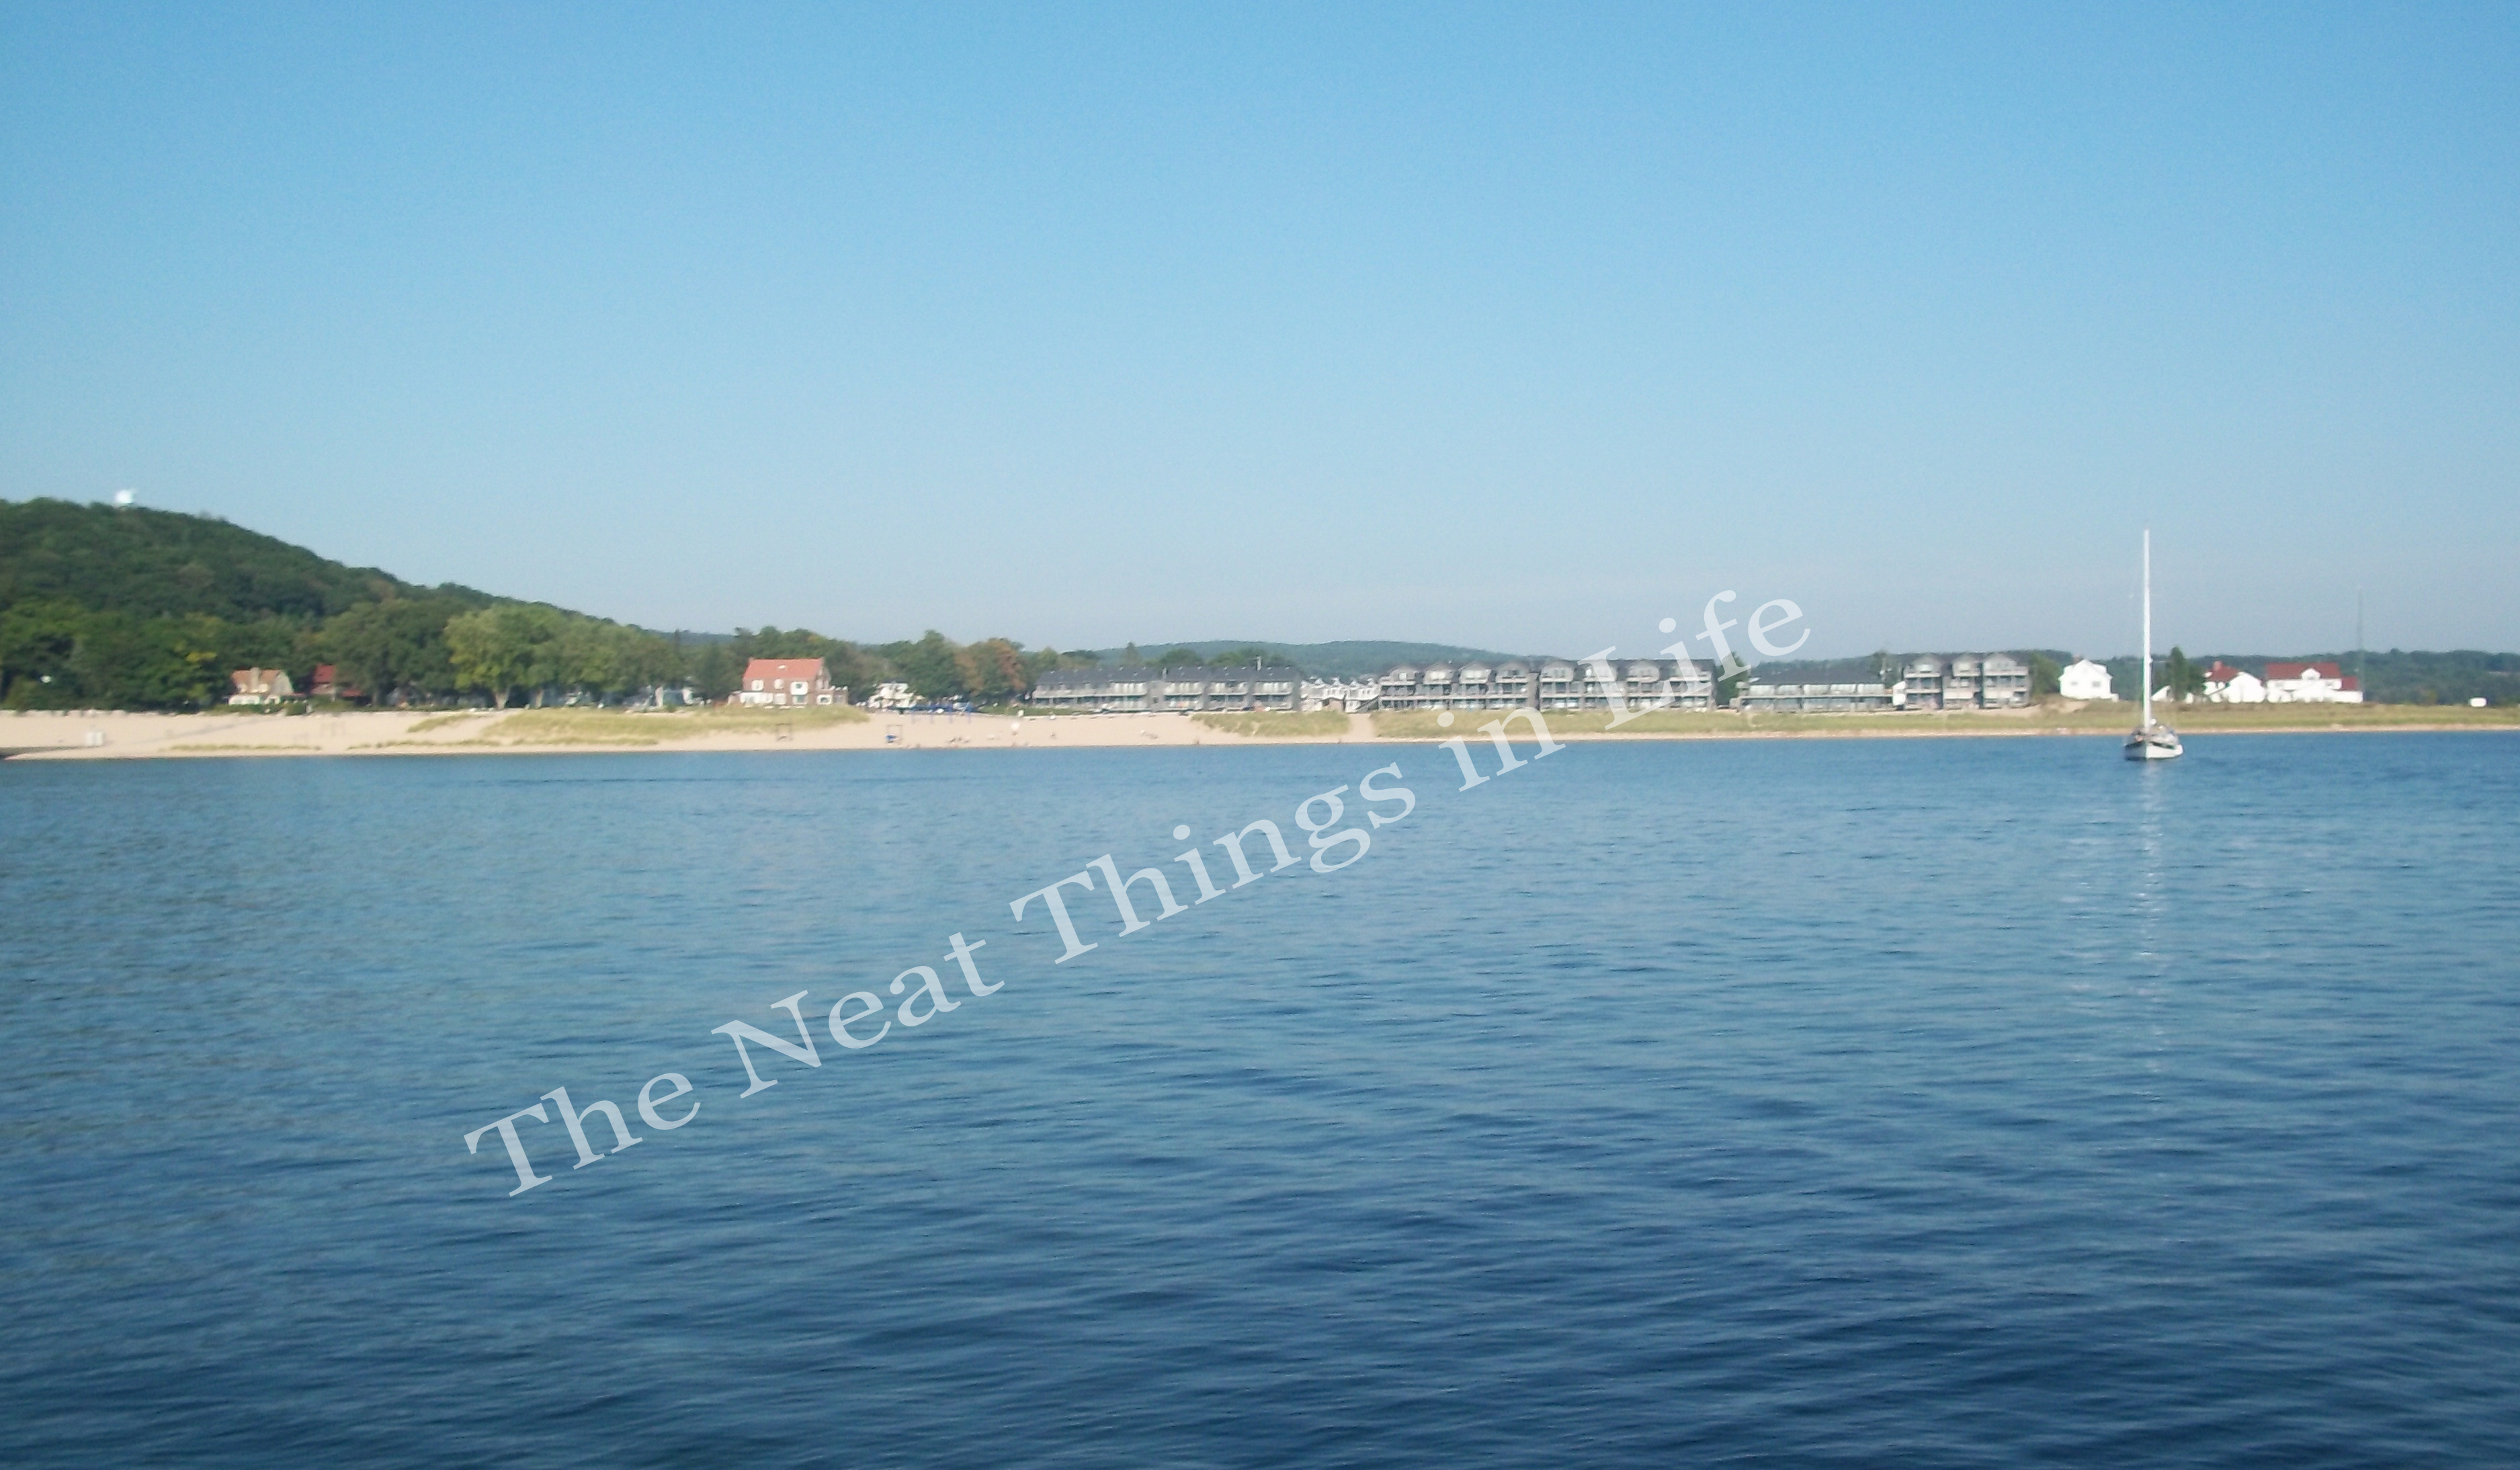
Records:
x=2151, y=740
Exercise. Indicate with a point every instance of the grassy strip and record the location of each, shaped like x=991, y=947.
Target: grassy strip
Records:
x=1266, y=725
x=2095, y=718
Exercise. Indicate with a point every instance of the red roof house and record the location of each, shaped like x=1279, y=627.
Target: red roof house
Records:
x=788, y=682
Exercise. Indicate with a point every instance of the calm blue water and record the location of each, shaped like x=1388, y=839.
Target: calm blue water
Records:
x=1928, y=1102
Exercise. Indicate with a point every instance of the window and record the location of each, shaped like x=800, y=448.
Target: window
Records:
x=756, y=684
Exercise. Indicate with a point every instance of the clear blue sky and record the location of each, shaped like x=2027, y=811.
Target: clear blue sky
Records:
x=1521, y=327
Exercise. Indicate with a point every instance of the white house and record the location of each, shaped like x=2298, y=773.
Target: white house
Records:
x=788, y=682
x=260, y=686
x=2083, y=679
x=2312, y=684
x=2225, y=685
x=1339, y=694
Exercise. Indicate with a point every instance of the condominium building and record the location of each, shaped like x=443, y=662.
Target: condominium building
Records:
x=2003, y=682
x=1839, y=697
x=1185, y=689
x=1549, y=684
x=1921, y=683
x=1965, y=681
x=1474, y=684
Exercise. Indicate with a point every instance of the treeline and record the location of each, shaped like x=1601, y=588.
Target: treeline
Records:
x=106, y=608
x=992, y=670
x=55, y=654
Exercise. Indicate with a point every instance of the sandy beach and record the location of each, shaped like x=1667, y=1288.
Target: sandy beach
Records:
x=112, y=735
x=108, y=735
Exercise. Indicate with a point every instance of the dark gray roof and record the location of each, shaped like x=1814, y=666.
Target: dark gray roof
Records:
x=1061, y=678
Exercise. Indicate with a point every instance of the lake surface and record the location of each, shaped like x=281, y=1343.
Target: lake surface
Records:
x=1938, y=1102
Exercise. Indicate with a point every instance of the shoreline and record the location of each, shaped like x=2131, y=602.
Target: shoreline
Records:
x=91, y=735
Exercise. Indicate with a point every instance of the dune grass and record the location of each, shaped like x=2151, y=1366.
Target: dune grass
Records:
x=587, y=727
x=441, y=721
x=1266, y=724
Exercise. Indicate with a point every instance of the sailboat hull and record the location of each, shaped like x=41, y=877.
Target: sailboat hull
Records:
x=2153, y=745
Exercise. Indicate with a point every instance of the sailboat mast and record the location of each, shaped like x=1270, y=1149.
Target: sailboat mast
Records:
x=2148, y=626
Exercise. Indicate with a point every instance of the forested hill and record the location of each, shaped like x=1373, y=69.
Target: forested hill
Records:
x=158, y=564
x=127, y=608
x=106, y=608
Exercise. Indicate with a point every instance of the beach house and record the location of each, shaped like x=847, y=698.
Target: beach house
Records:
x=2312, y=684
x=788, y=682
x=2225, y=685
x=1351, y=696
x=260, y=686
x=2083, y=679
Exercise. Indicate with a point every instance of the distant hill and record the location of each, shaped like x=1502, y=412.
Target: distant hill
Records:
x=158, y=564
x=127, y=608
x=124, y=608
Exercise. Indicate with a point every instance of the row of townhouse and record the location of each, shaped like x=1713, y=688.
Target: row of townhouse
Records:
x=1814, y=697
x=2282, y=684
x=1963, y=681
x=1547, y=684
x=1966, y=681
x=1142, y=690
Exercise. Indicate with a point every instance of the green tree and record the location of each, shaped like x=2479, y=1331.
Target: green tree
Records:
x=715, y=670
x=930, y=667
x=128, y=663
x=1181, y=658
x=2043, y=674
x=501, y=649
x=392, y=648
x=993, y=670
x=592, y=656
x=649, y=662
x=2181, y=677
x=37, y=641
